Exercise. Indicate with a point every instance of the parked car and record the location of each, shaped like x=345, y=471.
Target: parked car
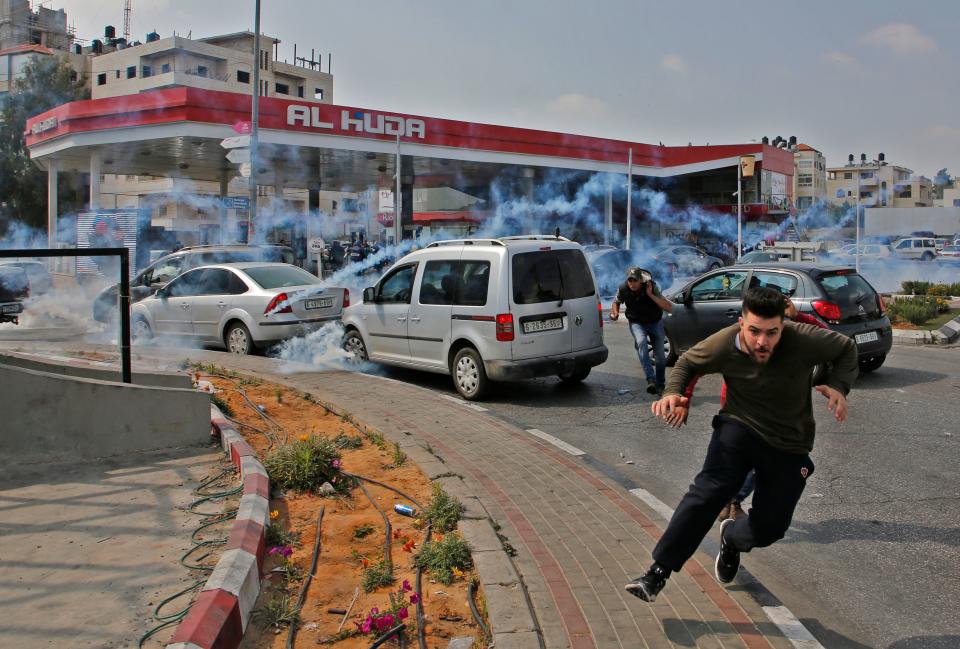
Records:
x=687, y=260
x=242, y=307
x=483, y=310
x=869, y=252
x=14, y=289
x=37, y=275
x=837, y=295
x=942, y=242
x=610, y=264
x=759, y=256
x=923, y=248
x=169, y=266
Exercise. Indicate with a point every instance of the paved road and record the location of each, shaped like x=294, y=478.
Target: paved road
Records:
x=873, y=557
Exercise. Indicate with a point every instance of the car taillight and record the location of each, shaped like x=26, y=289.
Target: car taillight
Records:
x=600, y=313
x=880, y=305
x=277, y=300
x=826, y=310
x=346, y=298
x=504, y=327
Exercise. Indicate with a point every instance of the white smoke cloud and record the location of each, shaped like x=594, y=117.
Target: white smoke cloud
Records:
x=903, y=39
x=673, y=63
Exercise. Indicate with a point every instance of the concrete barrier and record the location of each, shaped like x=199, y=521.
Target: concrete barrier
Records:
x=91, y=370
x=46, y=416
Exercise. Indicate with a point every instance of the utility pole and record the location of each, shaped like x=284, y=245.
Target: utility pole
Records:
x=254, y=114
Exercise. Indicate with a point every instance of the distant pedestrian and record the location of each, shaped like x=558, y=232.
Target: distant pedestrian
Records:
x=644, y=310
x=766, y=425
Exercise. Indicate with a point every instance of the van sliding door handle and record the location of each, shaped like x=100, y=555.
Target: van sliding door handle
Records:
x=401, y=318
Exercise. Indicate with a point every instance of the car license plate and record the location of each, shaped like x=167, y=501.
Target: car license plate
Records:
x=322, y=303
x=542, y=325
x=868, y=337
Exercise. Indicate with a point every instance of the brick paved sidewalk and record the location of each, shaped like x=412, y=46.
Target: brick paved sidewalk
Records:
x=579, y=536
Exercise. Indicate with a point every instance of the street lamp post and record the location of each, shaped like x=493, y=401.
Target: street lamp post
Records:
x=857, y=245
x=739, y=210
x=629, y=193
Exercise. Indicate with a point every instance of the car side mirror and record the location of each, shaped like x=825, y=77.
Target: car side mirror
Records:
x=686, y=296
x=369, y=294
x=161, y=293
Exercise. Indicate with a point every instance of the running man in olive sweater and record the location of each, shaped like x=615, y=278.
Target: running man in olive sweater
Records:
x=766, y=424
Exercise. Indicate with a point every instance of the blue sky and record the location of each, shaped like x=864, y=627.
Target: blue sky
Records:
x=844, y=77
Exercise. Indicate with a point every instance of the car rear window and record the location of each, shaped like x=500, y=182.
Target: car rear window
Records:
x=280, y=276
x=551, y=275
x=845, y=287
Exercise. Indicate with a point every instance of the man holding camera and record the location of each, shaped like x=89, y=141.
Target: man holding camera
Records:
x=644, y=307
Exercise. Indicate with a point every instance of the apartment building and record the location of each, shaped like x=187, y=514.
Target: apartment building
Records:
x=223, y=63
x=26, y=33
x=878, y=183
x=810, y=177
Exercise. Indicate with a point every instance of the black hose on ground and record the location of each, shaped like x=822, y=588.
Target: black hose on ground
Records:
x=292, y=633
x=386, y=521
x=471, y=594
x=389, y=634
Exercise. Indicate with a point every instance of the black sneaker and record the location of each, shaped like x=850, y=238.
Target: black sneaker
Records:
x=728, y=559
x=651, y=387
x=648, y=586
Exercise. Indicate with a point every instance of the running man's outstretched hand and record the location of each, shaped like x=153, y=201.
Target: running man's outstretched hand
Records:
x=836, y=402
x=672, y=408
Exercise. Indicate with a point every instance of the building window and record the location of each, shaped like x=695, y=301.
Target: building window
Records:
x=805, y=164
x=165, y=68
x=201, y=70
x=102, y=79
x=866, y=194
x=847, y=176
x=118, y=74
x=146, y=72
x=73, y=75
x=318, y=93
x=300, y=91
x=904, y=191
x=282, y=88
x=867, y=174
x=805, y=180
x=131, y=72
x=162, y=211
x=243, y=76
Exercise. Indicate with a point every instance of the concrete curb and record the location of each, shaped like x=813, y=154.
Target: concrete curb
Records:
x=945, y=335
x=221, y=612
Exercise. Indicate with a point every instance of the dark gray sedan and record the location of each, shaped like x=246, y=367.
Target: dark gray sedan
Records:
x=837, y=295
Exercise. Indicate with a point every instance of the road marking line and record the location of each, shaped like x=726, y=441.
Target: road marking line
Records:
x=472, y=406
x=559, y=443
x=791, y=627
x=653, y=502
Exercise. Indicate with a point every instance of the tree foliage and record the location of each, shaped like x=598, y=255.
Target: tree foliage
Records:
x=45, y=83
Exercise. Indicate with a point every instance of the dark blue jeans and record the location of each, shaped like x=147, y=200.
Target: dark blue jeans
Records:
x=733, y=451
x=654, y=331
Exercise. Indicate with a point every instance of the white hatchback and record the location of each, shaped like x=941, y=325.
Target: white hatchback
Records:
x=482, y=310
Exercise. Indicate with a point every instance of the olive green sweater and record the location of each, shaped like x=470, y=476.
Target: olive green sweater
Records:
x=774, y=399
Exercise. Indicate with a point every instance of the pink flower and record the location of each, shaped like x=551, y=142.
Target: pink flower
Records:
x=367, y=626
x=336, y=464
x=414, y=598
x=406, y=586
x=374, y=611
x=402, y=613
x=388, y=620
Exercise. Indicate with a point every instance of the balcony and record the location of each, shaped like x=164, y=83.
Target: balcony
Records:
x=868, y=182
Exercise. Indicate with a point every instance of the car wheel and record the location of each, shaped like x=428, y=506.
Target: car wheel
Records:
x=238, y=339
x=353, y=345
x=141, y=332
x=670, y=350
x=872, y=363
x=927, y=256
x=576, y=376
x=819, y=373
x=714, y=266
x=469, y=376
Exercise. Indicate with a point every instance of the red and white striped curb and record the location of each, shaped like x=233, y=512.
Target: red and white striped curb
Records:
x=219, y=616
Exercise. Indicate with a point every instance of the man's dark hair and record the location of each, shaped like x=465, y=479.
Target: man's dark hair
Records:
x=764, y=302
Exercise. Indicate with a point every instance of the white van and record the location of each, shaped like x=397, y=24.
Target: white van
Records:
x=482, y=310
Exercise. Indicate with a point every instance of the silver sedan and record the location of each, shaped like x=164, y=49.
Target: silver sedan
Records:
x=239, y=306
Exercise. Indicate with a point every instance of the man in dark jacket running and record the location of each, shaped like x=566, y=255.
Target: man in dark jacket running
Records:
x=766, y=424
x=645, y=306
